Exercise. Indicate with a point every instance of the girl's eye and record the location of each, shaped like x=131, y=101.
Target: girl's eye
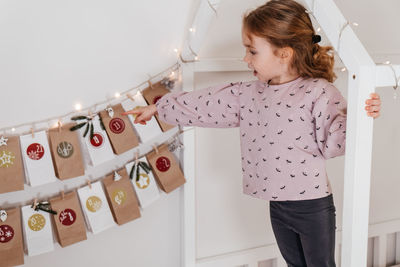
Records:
x=252, y=52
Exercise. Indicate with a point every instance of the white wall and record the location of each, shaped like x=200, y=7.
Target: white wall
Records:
x=56, y=53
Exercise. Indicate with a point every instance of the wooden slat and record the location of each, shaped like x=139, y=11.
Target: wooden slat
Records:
x=380, y=251
x=188, y=192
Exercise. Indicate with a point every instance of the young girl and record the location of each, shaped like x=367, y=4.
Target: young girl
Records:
x=292, y=119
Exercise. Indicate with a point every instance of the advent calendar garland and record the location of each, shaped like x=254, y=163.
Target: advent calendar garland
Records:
x=123, y=194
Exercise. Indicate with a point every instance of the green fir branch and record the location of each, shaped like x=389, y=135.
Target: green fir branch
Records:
x=78, y=126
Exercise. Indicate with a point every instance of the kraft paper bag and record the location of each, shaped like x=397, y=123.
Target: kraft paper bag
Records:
x=166, y=169
x=38, y=234
x=95, y=208
x=69, y=221
x=11, y=169
x=148, y=131
x=146, y=187
x=38, y=164
x=152, y=95
x=66, y=152
x=119, y=129
x=96, y=150
x=122, y=198
x=11, y=246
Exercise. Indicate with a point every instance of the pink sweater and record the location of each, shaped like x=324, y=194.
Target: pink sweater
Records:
x=287, y=131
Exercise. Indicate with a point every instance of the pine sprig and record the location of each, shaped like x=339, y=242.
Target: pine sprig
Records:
x=88, y=123
x=91, y=130
x=44, y=206
x=102, y=124
x=78, y=126
x=86, y=130
x=140, y=165
x=78, y=118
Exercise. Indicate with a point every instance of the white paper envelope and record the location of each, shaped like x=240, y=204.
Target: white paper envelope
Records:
x=97, y=150
x=38, y=234
x=146, y=188
x=95, y=208
x=37, y=159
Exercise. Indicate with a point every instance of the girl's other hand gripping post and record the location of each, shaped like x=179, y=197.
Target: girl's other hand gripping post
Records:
x=373, y=105
x=142, y=114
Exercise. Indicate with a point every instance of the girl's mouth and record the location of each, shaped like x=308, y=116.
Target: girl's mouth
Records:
x=255, y=72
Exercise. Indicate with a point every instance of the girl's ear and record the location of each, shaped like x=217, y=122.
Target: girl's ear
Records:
x=286, y=53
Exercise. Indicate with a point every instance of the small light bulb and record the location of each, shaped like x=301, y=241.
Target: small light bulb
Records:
x=192, y=30
x=117, y=95
x=78, y=106
x=13, y=129
x=343, y=69
x=176, y=50
x=196, y=58
x=355, y=24
x=319, y=29
x=387, y=62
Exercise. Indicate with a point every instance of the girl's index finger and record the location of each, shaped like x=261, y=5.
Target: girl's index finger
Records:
x=374, y=96
x=134, y=111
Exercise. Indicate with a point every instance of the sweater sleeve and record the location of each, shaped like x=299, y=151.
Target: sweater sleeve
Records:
x=212, y=107
x=330, y=122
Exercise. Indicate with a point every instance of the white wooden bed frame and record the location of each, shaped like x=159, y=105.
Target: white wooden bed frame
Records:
x=364, y=77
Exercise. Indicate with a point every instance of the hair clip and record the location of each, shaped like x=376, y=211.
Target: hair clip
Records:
x=316, y=38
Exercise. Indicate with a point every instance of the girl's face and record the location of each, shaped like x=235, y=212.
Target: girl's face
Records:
x=261, y=59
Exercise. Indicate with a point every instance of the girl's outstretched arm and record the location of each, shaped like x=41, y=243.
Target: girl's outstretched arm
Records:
x=213, y=107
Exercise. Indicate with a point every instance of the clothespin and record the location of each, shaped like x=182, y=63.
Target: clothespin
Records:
x=155, y=148
x=137, y=158
x=62, y=194
x=34, y=204
x=130, y=97
x=89, y=183
x=33, y=133
x=59, y=126
x=90, y=114
x=149, y=82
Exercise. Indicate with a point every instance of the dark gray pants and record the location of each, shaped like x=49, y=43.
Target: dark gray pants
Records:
x=305, y=231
